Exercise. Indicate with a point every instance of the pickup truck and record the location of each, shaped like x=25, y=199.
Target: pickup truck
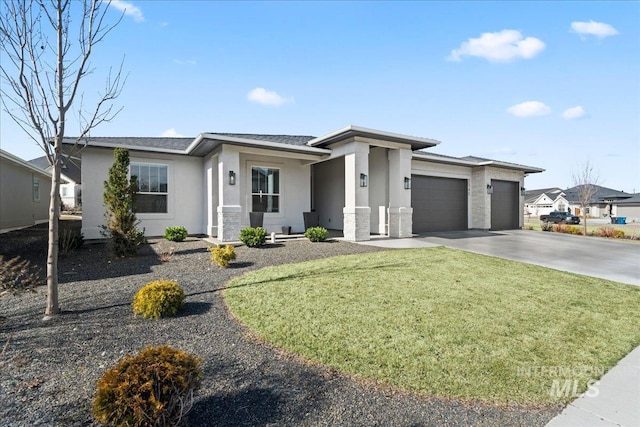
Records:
x=560, y=218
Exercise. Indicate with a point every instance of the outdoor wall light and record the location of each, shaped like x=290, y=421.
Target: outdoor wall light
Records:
x=489, y=189
x=407, y=183
x=363, y=180
x=522, y=191
x=232, y=178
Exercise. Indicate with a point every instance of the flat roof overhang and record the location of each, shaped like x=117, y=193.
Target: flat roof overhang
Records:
x=436, y=158
x=205, y=143
x=415, y=142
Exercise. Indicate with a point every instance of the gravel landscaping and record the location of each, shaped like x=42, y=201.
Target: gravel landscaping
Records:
x=48, y=370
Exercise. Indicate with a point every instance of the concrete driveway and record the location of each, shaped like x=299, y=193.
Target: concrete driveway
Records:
x=616, y=260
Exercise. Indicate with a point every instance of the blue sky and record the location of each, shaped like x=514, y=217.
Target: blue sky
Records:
x=547, y=84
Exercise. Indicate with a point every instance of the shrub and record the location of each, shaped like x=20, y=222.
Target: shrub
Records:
x=528, y=227
x=158, y=299
x=618, y=234
x=70, y=240
x=316, y=234
x=17, y=276
x=222, y=255
x=605, y=232
x=253, y=236
x=546, y=226
x=166, y=256
x=119, y=199
x=175, y=234
x=575, y=230
x=561, y=228
x=153, y=388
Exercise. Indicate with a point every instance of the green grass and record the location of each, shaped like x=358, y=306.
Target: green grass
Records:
x=445, y=322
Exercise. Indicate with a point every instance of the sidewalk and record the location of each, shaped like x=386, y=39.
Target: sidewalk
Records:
x=396, y=243
x=617, y=402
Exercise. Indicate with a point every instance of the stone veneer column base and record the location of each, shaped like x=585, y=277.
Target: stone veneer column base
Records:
x=401, y=222
x=357, y=223
x=229, y=223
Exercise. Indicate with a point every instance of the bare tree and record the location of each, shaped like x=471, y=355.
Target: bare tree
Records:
x=46, y=47
x=586, y=181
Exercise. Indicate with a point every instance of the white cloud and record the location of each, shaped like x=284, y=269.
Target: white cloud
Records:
x=128, y=9
x=573, y=113
x=187, y=62
x=598, y=29
x=267, y=97
x=529, y=109
x=502, y=46
x=504, y=151
x=171, y=133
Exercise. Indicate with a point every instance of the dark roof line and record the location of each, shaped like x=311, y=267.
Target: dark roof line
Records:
x=70, y=169
x=186, y=146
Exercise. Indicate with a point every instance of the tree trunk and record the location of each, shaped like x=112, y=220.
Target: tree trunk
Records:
x=52, y=250
x=54, y=207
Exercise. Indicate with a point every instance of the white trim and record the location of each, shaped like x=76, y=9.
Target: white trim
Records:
x=257, y=143
x=428, y=157
x=170, y=193
x=372, y=132
x=195, y=143
x=98, y=144
x=249, y=188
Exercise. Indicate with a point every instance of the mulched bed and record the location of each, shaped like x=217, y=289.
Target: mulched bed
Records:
x=49, y=369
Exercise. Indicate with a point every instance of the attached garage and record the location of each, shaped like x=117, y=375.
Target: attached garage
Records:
x=439, y=204
x=505, y=205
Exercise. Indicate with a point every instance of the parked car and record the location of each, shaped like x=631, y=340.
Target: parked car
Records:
x=557, y=217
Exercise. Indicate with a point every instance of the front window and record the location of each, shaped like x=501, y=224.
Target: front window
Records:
x=265, y=189
x=153, y=185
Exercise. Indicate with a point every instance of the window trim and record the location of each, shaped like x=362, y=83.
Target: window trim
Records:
x=246, y=189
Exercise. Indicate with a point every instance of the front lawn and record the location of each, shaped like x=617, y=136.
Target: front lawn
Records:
x=445, y=322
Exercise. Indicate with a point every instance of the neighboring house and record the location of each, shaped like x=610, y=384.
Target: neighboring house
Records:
x=545, y=200
x=358, y=180
x=70, y=189
x=604, y=202
x=629, y=208
x=24, y=193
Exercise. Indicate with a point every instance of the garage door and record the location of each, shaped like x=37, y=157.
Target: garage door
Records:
x=505, y=202
x=439, y=204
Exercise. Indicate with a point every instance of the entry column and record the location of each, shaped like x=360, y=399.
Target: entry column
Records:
x=357, y=213
x=400, y=210
x=229, y=209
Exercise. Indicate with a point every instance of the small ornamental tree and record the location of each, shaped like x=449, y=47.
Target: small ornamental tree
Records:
x=586, y=181
x=119, y=200
x=45, y=68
